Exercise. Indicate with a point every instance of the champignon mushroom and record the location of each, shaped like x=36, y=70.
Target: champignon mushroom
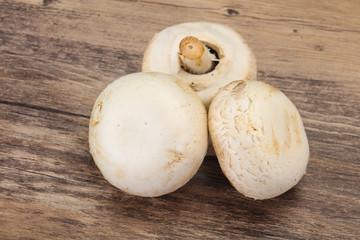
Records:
x=205, y=55
x=148, y=133
x=259, y=138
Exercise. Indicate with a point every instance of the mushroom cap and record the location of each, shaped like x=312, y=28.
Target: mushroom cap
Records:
x=236, y=58
x=148, y=133
x=259, y=138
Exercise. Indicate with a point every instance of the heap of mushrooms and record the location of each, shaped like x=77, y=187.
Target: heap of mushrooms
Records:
x=148, y=131
x=206, y=56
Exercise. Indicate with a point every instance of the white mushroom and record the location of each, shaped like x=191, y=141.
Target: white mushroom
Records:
x=207, y=56
x=259, y=138
x=148, y=133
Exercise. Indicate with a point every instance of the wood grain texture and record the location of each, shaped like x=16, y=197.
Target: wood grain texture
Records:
x=56, y=56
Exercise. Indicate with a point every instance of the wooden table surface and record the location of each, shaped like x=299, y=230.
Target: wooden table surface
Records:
x=57, y=56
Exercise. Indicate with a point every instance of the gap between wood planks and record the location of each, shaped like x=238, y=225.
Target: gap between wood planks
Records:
x=45, y=109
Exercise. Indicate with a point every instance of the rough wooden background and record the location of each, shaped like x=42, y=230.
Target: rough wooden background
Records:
x=57, y=56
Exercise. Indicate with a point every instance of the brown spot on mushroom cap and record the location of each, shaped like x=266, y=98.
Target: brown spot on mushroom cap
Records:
x=296, y=128
x=271, y=89
x=174, y=158
x=293, y=123
x=96, y=114
x=288, y=137
x=290, y=128
x=275, y=142
x=239, y=87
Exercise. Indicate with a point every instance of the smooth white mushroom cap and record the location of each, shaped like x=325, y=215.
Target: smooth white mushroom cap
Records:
x=148, y=133
x=236, y=58
x=259, y=138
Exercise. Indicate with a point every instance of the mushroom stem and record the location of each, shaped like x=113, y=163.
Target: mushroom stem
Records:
x=195, y=57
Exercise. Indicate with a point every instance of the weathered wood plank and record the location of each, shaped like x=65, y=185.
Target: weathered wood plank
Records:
x=46, y=164
x=52, y=184
x=68, y=48
x=57, y=56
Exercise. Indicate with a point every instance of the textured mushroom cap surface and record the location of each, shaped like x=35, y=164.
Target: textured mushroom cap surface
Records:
x=148, y=133
x=259, y=138
x=236, y=58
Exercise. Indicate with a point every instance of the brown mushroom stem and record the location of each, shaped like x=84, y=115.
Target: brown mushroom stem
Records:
x=195, y=57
